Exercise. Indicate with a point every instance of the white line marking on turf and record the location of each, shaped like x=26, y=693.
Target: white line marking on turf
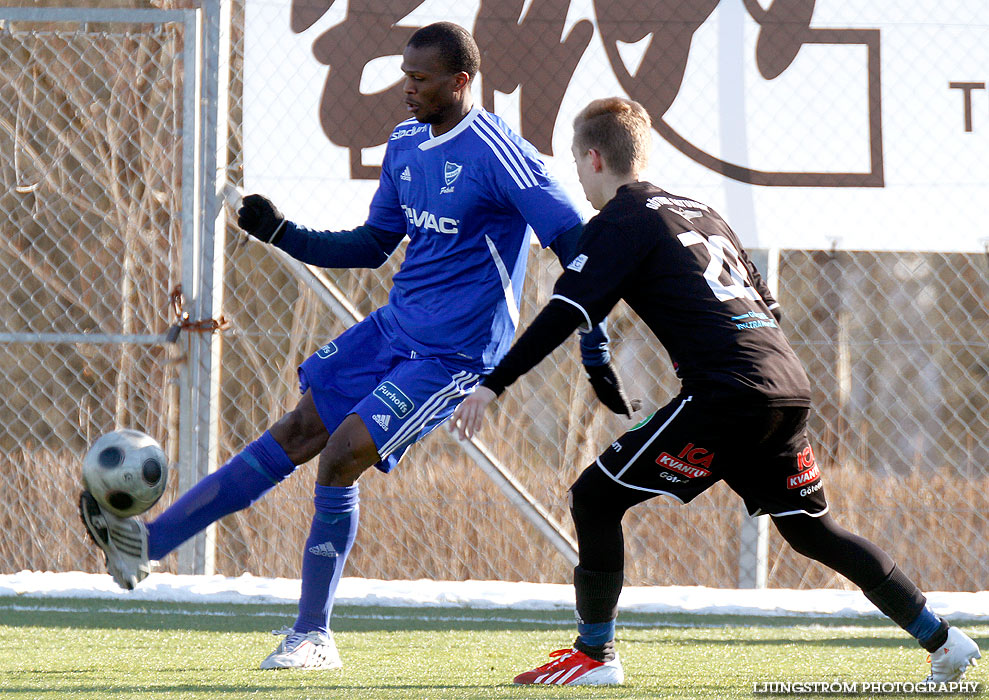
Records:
x=816, y=627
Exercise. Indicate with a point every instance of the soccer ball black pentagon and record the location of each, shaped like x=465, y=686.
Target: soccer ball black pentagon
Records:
x=126, y=472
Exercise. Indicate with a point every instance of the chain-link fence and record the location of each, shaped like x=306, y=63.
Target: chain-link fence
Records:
x=90, y=123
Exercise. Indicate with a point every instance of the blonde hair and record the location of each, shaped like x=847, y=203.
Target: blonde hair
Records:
x=617, y=128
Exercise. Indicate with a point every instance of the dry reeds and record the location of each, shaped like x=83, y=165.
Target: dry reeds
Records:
x=438, y=519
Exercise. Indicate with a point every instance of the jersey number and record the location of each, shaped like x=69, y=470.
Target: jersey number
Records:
x=721, y=251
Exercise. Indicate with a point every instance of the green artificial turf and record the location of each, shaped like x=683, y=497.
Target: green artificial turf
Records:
x=123, y=650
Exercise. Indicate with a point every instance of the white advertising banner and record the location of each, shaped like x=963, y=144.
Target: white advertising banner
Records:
x=813, y=125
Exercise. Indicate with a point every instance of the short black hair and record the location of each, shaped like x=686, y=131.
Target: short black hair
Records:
x=457, y=47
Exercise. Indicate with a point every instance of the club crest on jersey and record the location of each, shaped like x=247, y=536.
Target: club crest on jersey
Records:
x=393, y=397
x=692, y=462
x=807, y=470
x=451, y=171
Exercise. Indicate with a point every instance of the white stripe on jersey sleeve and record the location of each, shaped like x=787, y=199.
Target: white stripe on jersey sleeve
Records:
x=499, y=156
x=485, y=122
x=506, y=281
x=502, y=152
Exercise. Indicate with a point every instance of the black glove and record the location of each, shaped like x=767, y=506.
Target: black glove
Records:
x=261, y=219
x=608, y=388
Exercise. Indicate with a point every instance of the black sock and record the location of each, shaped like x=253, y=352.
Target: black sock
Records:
x=597, y=594
x=898, y=598
x=603, y=653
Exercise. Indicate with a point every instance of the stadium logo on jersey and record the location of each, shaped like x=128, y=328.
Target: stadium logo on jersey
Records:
x=451, y=171
x=406, y=174
x=392, y=397
x=326, y=351
x=410, y=131
x=692, y=462
x=577, y=264
x=807, y=470
x=430, y=222
x=382, y=420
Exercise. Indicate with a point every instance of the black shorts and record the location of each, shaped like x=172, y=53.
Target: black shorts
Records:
x=762, y=453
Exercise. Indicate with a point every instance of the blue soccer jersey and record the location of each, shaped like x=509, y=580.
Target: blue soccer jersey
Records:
x=466, y=200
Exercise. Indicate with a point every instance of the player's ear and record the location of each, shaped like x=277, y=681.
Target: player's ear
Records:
x=597, y=161
x=461, y=81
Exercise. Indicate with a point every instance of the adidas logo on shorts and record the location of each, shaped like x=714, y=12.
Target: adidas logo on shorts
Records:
x=382, y=420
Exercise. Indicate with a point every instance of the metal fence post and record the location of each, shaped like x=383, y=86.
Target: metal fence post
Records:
x=187, y=469
x=753, y=536
x=201, y=388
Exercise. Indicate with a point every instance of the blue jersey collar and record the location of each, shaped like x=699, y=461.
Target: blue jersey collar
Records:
x=464, y=124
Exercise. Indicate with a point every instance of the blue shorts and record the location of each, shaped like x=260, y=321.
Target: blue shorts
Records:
x=398, y=394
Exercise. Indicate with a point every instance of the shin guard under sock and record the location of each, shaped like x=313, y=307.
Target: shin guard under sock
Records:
x=597, y=595
x=234, y=486
x=334, y=528
x=901, y=601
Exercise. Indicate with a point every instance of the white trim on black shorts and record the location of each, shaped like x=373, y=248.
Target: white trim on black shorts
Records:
x=638, y=488
x=652, y=438
x=795, y=512
x=617, y=477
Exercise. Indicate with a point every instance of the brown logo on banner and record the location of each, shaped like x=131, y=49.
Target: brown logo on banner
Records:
x=525, y=54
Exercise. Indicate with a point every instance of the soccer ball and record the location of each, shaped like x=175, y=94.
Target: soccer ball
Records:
x=126, y=472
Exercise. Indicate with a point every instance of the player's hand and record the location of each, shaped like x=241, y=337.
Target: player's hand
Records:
x=608, y=387
x=469, y=416
x=260, y=218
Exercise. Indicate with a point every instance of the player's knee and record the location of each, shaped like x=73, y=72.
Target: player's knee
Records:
x=594, y=496
x=301, y=434
x=578, y=497
x=338, y=469
x=348, y=453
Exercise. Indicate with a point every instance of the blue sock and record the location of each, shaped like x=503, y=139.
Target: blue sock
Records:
x=334, y=528
x=594, y=634
x=925, y=625
x=236, y=485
